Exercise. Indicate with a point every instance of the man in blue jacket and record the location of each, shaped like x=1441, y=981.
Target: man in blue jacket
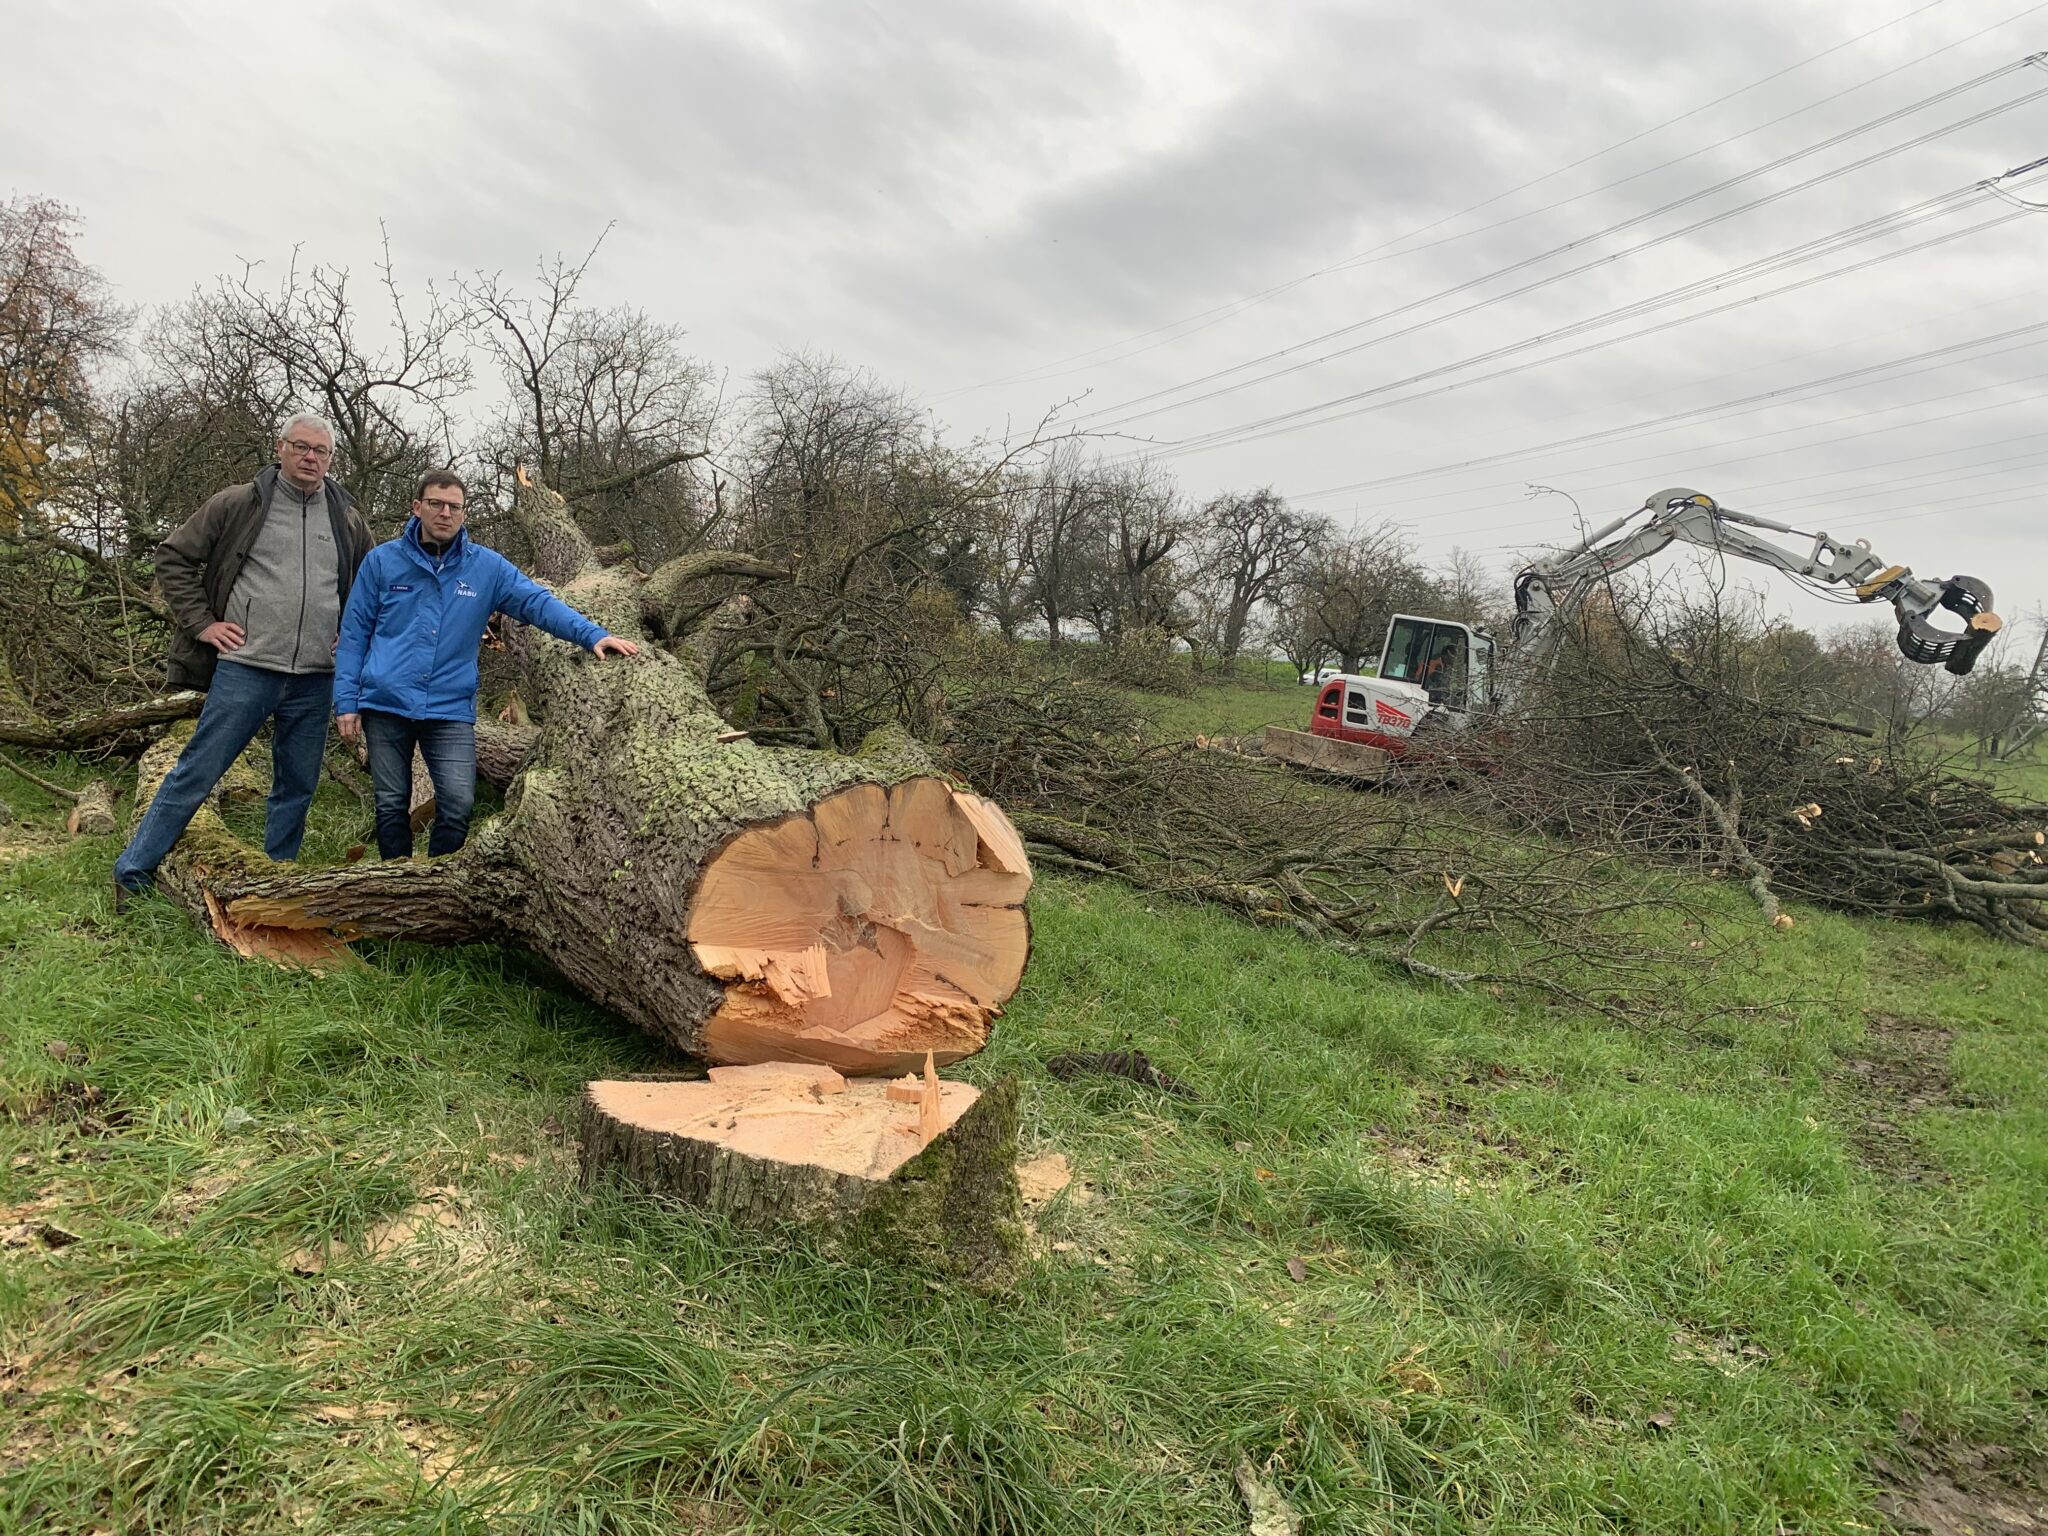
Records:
x=405, y=668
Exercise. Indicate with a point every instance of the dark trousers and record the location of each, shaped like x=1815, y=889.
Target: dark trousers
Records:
x=239, y=701
x=449, y=746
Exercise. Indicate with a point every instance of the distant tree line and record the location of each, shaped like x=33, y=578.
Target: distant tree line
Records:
x=115, y=426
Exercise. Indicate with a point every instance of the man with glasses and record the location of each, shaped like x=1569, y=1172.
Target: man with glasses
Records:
x=255, y=581
x=405, y=672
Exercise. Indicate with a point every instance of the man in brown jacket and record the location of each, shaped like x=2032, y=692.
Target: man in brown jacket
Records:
x=256, y=580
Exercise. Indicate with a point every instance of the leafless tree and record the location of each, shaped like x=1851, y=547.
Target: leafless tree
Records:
x=58, y=325
x=1355, y=585
x=1149, y=522
x=1003, y=585
x=1062, y=534
x=606, y=405
x=1252, y=544
x=244, y=347
x=77, y=628
x=844, y=486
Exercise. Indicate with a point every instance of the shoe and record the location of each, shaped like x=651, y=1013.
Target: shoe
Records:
x=123, y=894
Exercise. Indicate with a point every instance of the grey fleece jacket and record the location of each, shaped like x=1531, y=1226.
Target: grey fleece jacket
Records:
x=286, y=598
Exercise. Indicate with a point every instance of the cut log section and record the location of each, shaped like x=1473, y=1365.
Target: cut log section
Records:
x=92, y=808
x=881, y=924
x=933, y=1183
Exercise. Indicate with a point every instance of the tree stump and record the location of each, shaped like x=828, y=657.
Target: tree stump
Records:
x=930, y=1182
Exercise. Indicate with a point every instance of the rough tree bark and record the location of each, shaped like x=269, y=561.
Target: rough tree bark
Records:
x=744, y=903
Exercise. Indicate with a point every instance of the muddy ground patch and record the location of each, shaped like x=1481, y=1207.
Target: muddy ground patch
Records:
x=1897, y=1071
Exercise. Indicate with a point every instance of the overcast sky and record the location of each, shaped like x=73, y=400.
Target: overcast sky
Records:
x=1005, y=206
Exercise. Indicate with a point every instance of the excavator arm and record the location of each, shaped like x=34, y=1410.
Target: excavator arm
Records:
x=1550, y=591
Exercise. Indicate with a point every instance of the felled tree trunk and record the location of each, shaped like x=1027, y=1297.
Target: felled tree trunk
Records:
x=744, y=903
x=925, y=1174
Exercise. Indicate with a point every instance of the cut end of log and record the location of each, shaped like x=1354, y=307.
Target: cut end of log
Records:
x=881, y=925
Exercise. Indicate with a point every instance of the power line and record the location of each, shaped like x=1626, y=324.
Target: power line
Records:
x=1693, y=386
x=1879, y=489
x=1777, y=362
x=1828, y=245
x=1235, y=306
x=1129, y=414
x=1666, y=165
x=1928, y=509
x=1937, y=357
x=1866, y=495
x=1689, y=474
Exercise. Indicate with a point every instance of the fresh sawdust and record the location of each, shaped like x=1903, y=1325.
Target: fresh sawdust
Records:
x=1044, y=1177
x=440, y=1216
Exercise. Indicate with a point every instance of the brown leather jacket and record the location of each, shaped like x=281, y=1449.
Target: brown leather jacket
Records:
x=197, y=565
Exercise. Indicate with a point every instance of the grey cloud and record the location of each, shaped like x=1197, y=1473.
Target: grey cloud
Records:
x=954, y=193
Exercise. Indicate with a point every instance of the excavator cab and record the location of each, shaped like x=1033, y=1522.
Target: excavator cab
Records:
x=1452, y=661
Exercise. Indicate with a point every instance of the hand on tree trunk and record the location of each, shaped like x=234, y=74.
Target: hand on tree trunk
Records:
x=612, y=645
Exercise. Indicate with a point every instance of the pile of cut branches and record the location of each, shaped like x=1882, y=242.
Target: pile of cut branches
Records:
x=1691, y=741
x=1402, y=883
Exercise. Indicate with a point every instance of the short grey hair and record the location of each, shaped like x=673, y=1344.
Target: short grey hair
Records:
x=305, y=419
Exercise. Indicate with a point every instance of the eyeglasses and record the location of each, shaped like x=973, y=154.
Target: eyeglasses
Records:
x=435, y=504
x=317, y=450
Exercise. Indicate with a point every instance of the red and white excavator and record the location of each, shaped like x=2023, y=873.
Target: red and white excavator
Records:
x=1438, y=675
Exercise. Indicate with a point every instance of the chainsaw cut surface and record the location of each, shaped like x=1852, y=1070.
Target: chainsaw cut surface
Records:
x=881, y=924
x=787, y=1116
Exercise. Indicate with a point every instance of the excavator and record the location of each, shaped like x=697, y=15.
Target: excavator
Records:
x=1438, y=676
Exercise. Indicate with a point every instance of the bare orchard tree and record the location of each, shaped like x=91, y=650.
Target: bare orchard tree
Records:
x=1003, y=592
x=1989, y=705
x=79, y=634
x=58, y=324
x=1149, y=522
x=1292, y=629
x=607, y=406
x=1355, y=585
x=1873, y=684
x=195, y=414
x=1470, y=593
x=245, y=346
x=1063, y=535
x=844, y=485
x=1252, y=544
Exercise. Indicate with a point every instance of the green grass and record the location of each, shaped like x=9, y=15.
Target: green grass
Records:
x=1557, y=1275
x=1237, y=708
x=2024, y=778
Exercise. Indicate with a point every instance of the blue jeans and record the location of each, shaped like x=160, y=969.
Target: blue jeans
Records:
x=237, y=704
x=449, y=746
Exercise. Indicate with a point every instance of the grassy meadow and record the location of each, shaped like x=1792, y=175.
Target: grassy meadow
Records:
x=306, y=1253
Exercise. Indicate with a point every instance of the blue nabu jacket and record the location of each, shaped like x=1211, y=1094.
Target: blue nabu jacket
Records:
x=410, y=632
